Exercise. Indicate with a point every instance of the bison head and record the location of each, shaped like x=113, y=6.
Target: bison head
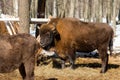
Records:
x=47, y=32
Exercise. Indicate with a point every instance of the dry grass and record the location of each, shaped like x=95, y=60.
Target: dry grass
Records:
x=86, y=69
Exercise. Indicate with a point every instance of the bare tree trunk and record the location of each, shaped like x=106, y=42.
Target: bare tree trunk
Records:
x=33, y=8
x=93, y=11
x=81, y=9
x=85, y=10
x=33, y=12
x=49, y=8
x=54, y=8
x=24, y=15
x=67, y=8
x=72, y=8
x=118, y=11
x=97, y=8
x=7, y=7
x=114, y=15
x=109, y=9
x=15, y=8
x=1, y=5
x=61, y=8
x=89, y=10
x=77, y=9
x=100, y=10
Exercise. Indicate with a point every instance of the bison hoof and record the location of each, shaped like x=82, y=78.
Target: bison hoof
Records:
x=103, y=71
x=72, y=67
x=63, y=66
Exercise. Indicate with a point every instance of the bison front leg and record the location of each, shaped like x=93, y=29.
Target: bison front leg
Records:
x=71, y=56
x=62, y=63
x=104, y=58
x=29, y=68
x=72, y=61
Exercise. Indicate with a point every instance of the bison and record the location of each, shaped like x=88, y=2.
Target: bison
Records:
x=18, y=52
x=70, y=35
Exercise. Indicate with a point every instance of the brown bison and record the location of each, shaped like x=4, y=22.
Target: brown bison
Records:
x=70, y=35
x=18, y=51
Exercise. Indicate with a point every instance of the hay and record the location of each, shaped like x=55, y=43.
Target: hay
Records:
x=87, y=69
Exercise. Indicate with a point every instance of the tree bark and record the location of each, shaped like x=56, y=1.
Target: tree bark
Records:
x=109, y=11
x=114, y=15
x=7, y=7
x=24, y=15
x=86, y=10
x=77, y=10
x=72, y=8
x=15, y=8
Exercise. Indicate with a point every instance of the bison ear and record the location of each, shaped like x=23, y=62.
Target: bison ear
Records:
x=53, y=21
x=49, y=19
x=38, y=27
x=53, y=27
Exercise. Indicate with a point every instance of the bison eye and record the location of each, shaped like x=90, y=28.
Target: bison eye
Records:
x=48, y=34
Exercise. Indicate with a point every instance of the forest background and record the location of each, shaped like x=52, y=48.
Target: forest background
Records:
x=86, y=10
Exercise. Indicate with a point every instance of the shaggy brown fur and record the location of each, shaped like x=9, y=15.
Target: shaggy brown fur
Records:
x=18, y=51
x=68, y=35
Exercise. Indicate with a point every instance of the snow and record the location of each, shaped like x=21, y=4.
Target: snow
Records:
x=32, y=31
x=116, y=42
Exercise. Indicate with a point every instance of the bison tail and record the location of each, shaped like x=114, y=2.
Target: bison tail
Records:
x=111, y=45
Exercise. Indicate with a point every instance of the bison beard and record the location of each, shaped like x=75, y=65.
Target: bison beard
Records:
x=18, y=51
x=70, y=35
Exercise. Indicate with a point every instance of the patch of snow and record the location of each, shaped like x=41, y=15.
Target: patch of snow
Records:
x=116, y=42
x=32, y=31
x=104, y=20
x=47, y=53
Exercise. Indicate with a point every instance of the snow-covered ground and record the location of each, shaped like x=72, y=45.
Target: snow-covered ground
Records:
x=116, y=43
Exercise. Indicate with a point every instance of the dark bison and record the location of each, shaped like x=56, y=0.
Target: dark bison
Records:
x=18, y=51
x=70, y=35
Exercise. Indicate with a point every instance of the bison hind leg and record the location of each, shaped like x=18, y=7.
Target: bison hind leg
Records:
x=104, y=58
x=104, y=64
x=111, y=46
x=29, y=68
x=22, y=71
